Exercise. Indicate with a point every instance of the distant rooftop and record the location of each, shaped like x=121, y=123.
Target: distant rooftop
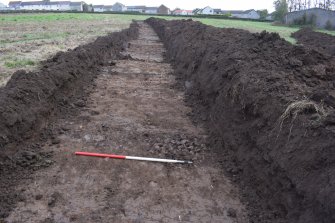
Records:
x=237, y=11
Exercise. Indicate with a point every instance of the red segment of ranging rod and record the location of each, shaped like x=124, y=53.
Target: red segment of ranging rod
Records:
x=132, y=158
x=101, y=155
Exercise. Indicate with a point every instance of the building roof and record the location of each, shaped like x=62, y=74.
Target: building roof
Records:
x=76, y=3
x=98, y=6
x=39, y=3
x=238, y=11
x=14, y=3
x=250, y=10
x=33, y=3
x=196, y=10
x=163, y=6
x=207, y=7
x=45, y=3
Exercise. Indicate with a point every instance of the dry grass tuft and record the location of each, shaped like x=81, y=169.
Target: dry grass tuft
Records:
x=300, y=107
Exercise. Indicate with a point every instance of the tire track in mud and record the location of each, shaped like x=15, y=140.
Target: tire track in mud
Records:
x=134, y=110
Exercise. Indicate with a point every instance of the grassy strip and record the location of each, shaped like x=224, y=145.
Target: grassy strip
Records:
x=32, y=37
x=18, y=63
x=252, y=26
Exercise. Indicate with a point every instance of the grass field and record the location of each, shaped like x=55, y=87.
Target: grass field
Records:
x=26, y=39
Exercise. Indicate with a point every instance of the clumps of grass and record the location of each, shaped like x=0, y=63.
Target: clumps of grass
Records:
x=18, y=63
x=4, y=77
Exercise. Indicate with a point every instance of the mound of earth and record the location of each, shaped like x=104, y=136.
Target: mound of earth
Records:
x=30, y=100
x=316, y=40
x=269, y=108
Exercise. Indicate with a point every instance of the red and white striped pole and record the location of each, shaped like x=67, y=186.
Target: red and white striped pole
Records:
x=131, y=158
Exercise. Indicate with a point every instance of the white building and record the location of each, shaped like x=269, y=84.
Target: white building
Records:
x=47, y=5
x=14, y=5
x=42, y=5
x=249, y=14
x=207, y=11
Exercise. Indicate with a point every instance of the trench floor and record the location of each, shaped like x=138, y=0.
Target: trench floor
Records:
x=133, y=110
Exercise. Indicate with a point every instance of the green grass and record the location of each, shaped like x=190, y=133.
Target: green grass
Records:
x=252, y=26
x=35, y=36
x=18, y=63
x=49, y=17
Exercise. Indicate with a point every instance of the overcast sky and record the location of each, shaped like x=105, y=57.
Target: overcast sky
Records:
x=191, y=4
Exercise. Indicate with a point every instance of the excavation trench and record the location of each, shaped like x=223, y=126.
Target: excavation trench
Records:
x=134, y=108
x=268, y=107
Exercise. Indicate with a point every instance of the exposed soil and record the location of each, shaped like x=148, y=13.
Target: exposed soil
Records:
x=269, y=109
x=31, y=101
x=315, y=40
x=133, y=108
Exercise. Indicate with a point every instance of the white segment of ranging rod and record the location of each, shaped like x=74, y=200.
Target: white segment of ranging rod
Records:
x=157, y=160
x=114, y=156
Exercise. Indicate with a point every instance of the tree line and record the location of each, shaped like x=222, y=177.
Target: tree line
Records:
x=297, y=5
x=284, y=6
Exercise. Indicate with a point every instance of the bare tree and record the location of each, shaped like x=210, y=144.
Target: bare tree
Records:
x=296, y=5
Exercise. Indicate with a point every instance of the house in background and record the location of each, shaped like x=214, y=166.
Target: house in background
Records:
x=98, y=8
x=163, y=10
x=47, y=5
x=15, y=5
x=217, y=12
x=151, y=10
x=139, y=8
x=182, y=12
x=119, y=7
x=196, y=11
x=206, y=11
x=248, y=14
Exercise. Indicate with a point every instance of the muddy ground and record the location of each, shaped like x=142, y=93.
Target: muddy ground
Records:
x=269, y=109
x=133, y=107
x=316, y=40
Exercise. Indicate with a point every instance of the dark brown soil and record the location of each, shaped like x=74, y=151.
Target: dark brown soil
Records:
x=30, y=101
x=315, y=40
x=269, y=108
